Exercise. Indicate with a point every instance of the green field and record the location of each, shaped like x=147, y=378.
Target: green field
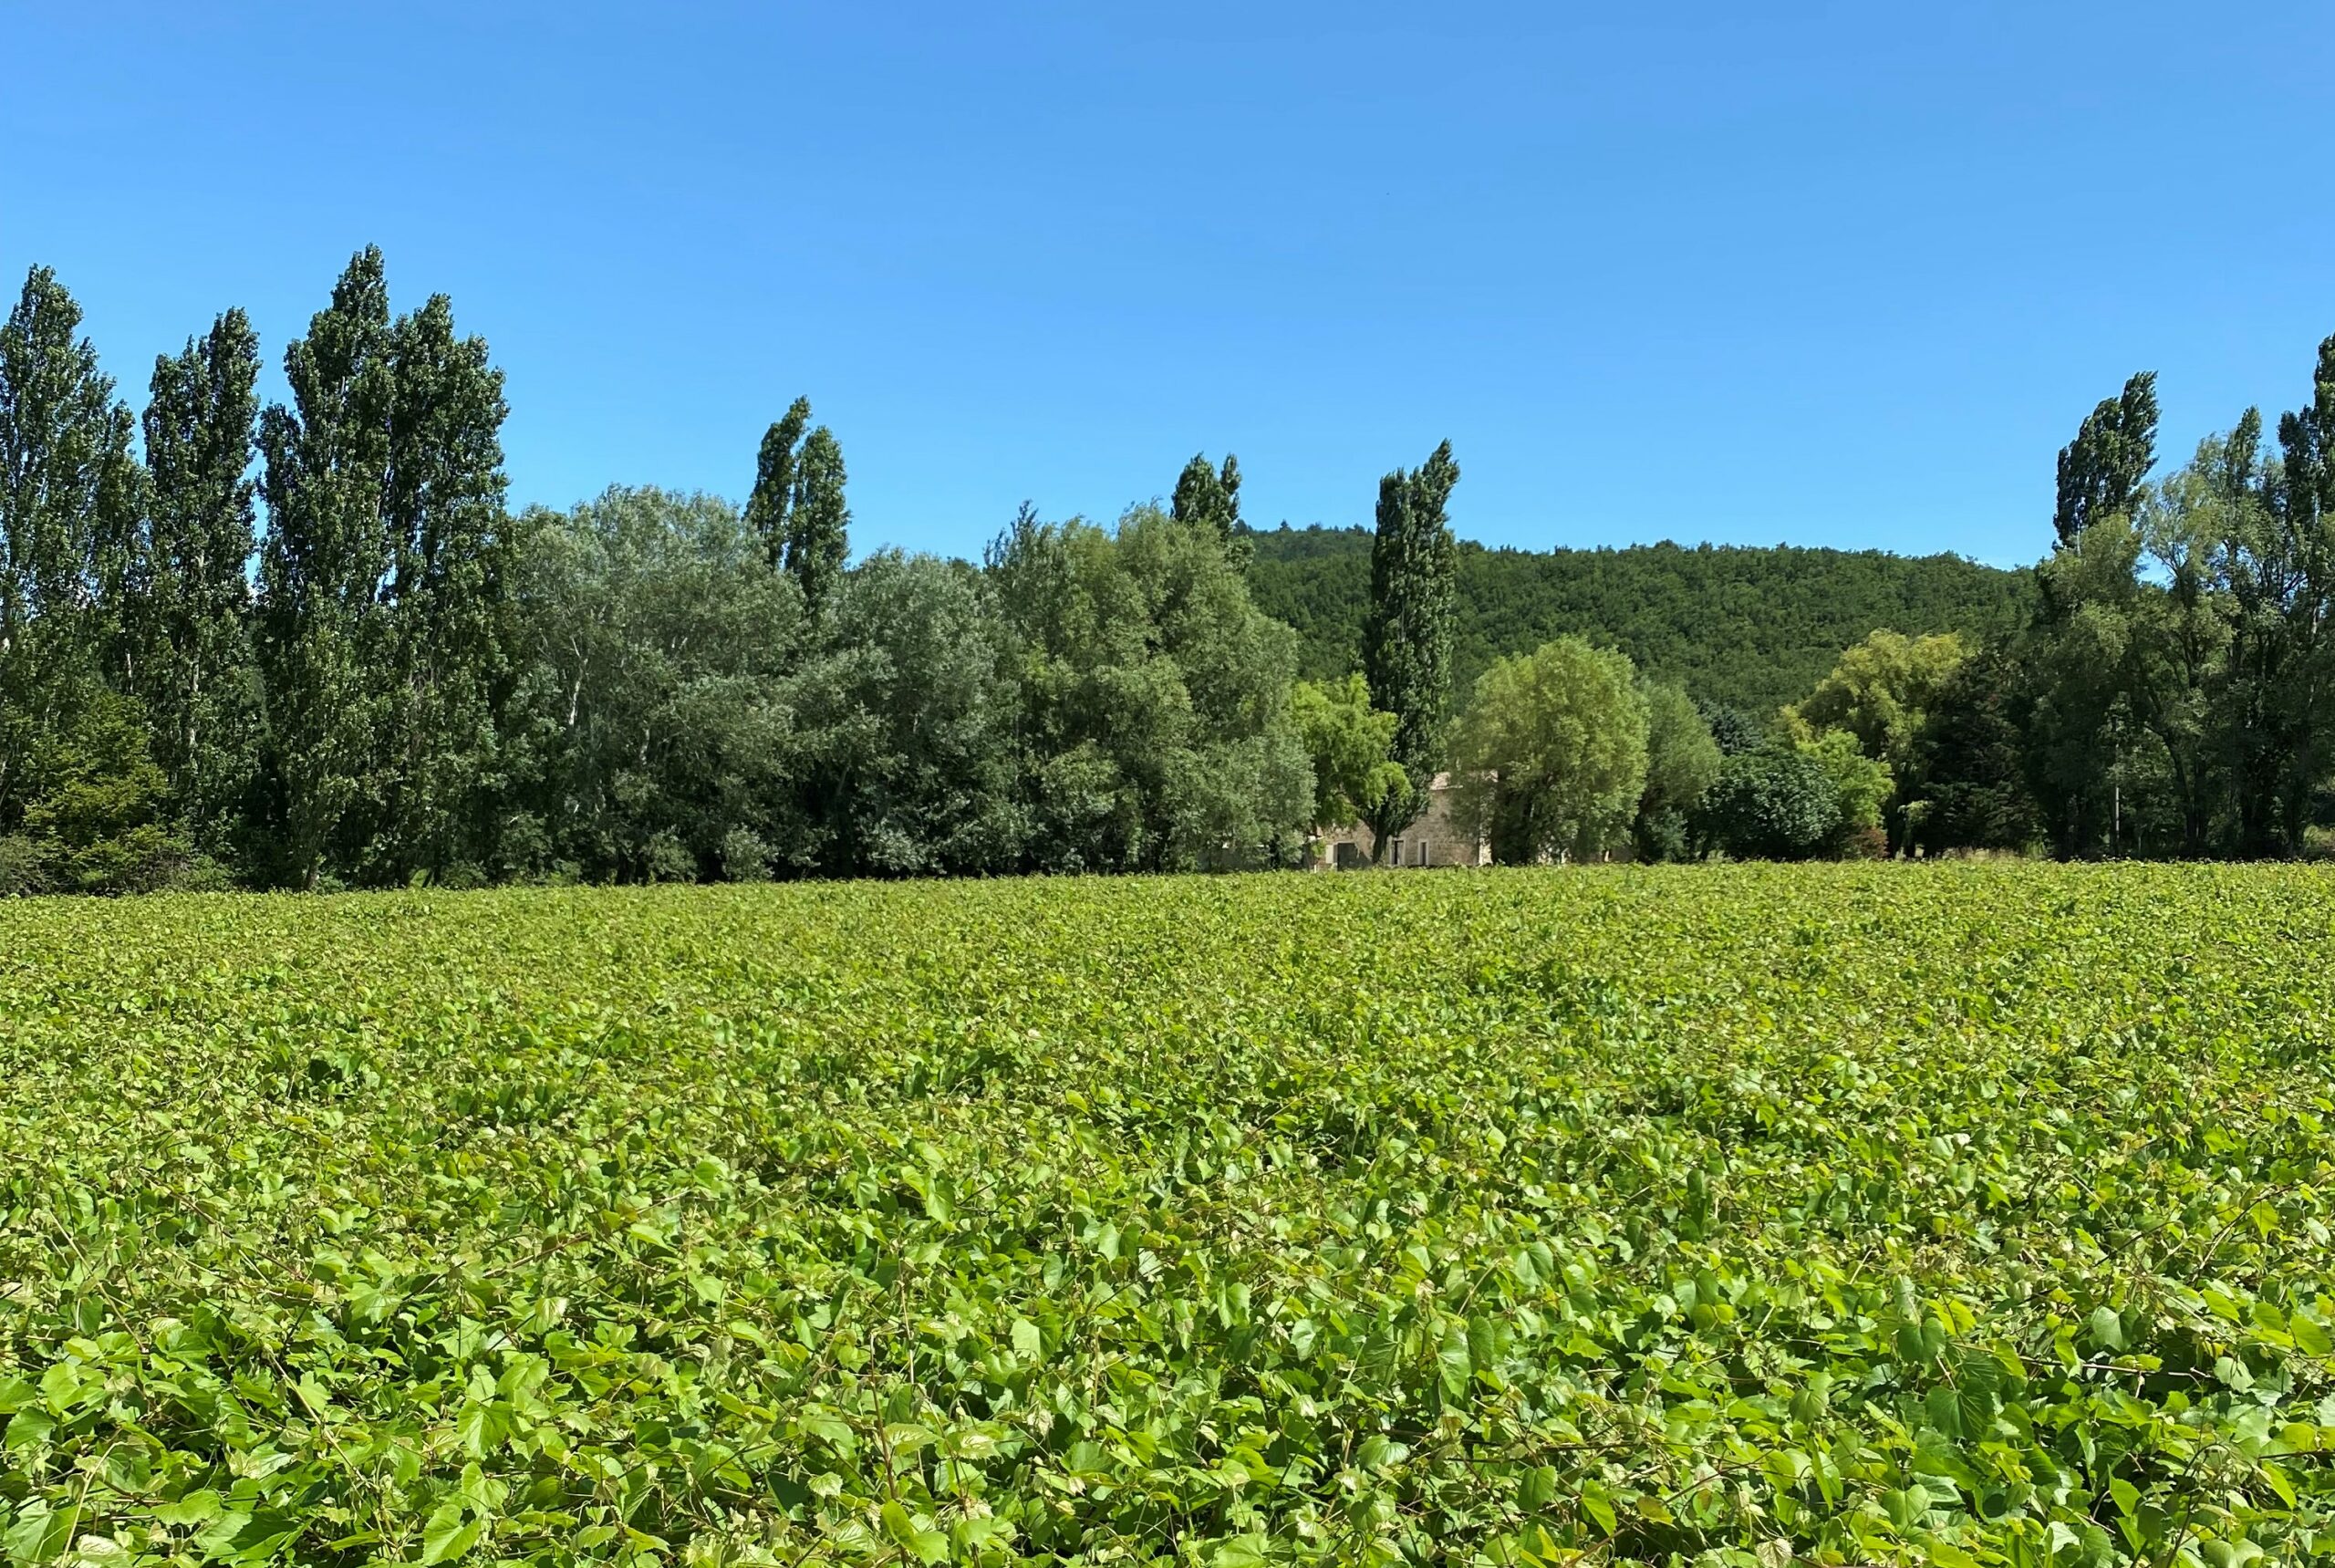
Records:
x=1838, y=1214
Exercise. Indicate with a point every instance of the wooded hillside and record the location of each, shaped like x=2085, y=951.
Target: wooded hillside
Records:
x=1754, y=628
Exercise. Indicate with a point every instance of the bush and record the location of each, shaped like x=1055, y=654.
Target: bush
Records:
x=1773, y=805
x=24, y=868
x=744, y=857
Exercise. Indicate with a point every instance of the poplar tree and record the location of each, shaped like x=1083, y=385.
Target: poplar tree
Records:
x=1407, y=637
x=2101, y=470
x=818, y=521
x=198, y=679
x=382, y=576
x=444, y=514
x=797, y=507
x=773, y=492
x=325, y=562
x=1209, y=497
x=2302, y=512
x=68, y=509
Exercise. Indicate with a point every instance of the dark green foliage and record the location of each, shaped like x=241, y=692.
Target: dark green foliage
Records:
x=197, y=672
x=1975, y=796
x=94, y=818
x=1209, y=498
x=1779, y=803
x=324, y=643
x=1155, y=731
x=1407, y=628
x=797, y=506
x=818, y=525
x=1752, y=628
x=653, y=715
x=1732, y=730
x=68, y=513
x=1682, y=760
x=772, y=496
x=906, y=728
x=443, y=510
x=2102, y=469
x=381, y=580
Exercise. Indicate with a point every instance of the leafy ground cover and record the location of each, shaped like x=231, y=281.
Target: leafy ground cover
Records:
x=1832, y=1214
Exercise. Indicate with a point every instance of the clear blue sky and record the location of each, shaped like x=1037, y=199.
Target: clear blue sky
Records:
x=1823, y=273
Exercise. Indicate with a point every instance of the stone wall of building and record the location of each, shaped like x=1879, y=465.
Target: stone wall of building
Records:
x=1435, y=839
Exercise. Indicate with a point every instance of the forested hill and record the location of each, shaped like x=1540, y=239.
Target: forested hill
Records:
x=1751, y=627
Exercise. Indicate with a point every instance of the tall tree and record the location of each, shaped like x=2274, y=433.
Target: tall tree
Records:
x=1682, y=762
x=2101, y=470
x=1209, y=497
x=2305, y=508
x=818, y=521
x=199, y=680
x=325, y=564
x=1407, y=638
x=443, y=511
x=68, y=511
x=774, y=493
x=382, y=575
x=797, y=508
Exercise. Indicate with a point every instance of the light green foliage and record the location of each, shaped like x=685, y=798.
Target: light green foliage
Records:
x=1850, y=1215
x=1860, y=783
x=1880, y=691
x=1349, y=741
x=1551, y=756
x=1881, y=695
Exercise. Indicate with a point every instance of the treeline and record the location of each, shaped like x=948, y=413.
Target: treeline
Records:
x=1753, y=627
x=2169, y=691
x=308, y=645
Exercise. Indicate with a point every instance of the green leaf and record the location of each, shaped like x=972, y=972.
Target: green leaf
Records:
x=1028, y=1342
x=928, y=1545
x=194, y=1508
x=2310, y=1334
x=1454, y=1361
x=446, y=1535
x=2107, y=1328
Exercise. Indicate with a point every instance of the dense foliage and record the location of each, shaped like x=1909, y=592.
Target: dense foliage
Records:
x=358, y=668
x=1850, y=1215
x=1754, y=629
x=309, y=645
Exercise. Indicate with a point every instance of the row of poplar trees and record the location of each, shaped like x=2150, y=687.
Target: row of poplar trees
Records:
x=309, y=644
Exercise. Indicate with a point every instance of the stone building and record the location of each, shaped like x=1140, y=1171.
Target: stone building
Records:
x=1437, y=838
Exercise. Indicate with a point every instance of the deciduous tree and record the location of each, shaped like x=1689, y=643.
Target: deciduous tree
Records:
x=1551, y=756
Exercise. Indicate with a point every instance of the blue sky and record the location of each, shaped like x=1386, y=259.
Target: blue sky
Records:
x=1821, y=273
